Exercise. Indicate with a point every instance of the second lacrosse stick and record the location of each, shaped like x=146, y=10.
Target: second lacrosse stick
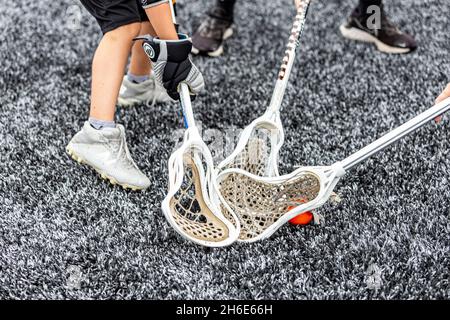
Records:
x=262, y=203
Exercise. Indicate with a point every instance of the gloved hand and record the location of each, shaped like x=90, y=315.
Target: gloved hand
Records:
x=171, y=64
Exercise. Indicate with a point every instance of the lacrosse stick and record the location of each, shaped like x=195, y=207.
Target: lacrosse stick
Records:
x=260, y=142
x=193, y=205
x=262, y=203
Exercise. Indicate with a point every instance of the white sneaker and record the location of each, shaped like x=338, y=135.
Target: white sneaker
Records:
x=107, y=152
x=145, y=92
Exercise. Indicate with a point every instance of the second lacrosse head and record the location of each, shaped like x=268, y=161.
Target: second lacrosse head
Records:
x=192, y=205
x=258, y=147
x=264, y=204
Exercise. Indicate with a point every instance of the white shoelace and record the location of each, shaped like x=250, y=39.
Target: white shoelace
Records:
x=124, y=147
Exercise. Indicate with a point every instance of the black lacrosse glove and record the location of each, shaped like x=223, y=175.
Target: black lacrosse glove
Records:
x=171, y=64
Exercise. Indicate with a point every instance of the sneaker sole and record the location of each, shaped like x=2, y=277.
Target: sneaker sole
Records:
x=226, y=35
x=102, y=174
x=121, y=102
x=130, y=102
x=358, y=35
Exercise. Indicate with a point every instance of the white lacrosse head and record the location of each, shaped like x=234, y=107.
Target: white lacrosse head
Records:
x=258, y=147
x=264, y=204
x=259, y=144
x=193, y=205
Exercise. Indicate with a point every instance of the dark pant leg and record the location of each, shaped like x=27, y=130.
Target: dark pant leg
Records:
x=228, y=5
x=113, y=14
x=364, y=4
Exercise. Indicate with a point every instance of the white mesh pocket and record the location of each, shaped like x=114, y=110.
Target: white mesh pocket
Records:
x=255, y=156
x=260, y=204
x=190, y=210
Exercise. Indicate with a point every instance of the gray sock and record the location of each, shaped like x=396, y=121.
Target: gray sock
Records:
x=100, y=124
x=137, y=79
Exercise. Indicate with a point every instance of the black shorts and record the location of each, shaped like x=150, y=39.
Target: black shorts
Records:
x=111, y=14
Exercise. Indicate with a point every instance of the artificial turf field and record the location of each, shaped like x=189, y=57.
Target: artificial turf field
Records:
x=65, y=233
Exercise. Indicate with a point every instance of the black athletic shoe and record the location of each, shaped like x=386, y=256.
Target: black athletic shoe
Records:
x=216, y=28
x=388, y=38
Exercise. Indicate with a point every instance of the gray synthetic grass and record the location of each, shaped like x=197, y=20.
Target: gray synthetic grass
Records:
x=64, y=233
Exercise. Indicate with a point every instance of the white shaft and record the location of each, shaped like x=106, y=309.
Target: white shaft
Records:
x=185, y=97
x=172, y=11
x=280, y=87
x=185, y=100
x=288, y=60
x=396, y=134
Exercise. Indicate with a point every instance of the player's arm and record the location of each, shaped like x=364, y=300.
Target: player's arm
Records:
x=160, y=16
x=169, y=51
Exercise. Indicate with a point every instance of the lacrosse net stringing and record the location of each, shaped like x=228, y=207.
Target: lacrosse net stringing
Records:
x=264, y=204
x=190, y=209
x=255, y=155
x=259, y=204
x=193, y=205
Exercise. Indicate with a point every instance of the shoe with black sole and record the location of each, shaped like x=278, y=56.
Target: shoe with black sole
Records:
x=209, y=37
x=388, y=38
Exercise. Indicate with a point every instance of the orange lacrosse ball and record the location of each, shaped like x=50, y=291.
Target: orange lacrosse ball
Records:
x=303, y=218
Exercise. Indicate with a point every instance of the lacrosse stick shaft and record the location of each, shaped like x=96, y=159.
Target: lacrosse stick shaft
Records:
x=289, y=57
x=186, y=105
x=396, y=134
x=172, y=11
x=185, y=97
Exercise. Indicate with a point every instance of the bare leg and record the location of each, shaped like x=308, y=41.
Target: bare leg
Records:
x=139, y=62
x=107, y=70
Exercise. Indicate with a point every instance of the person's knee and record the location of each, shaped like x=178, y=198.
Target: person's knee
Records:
x=146, y=28
x=126, y=32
